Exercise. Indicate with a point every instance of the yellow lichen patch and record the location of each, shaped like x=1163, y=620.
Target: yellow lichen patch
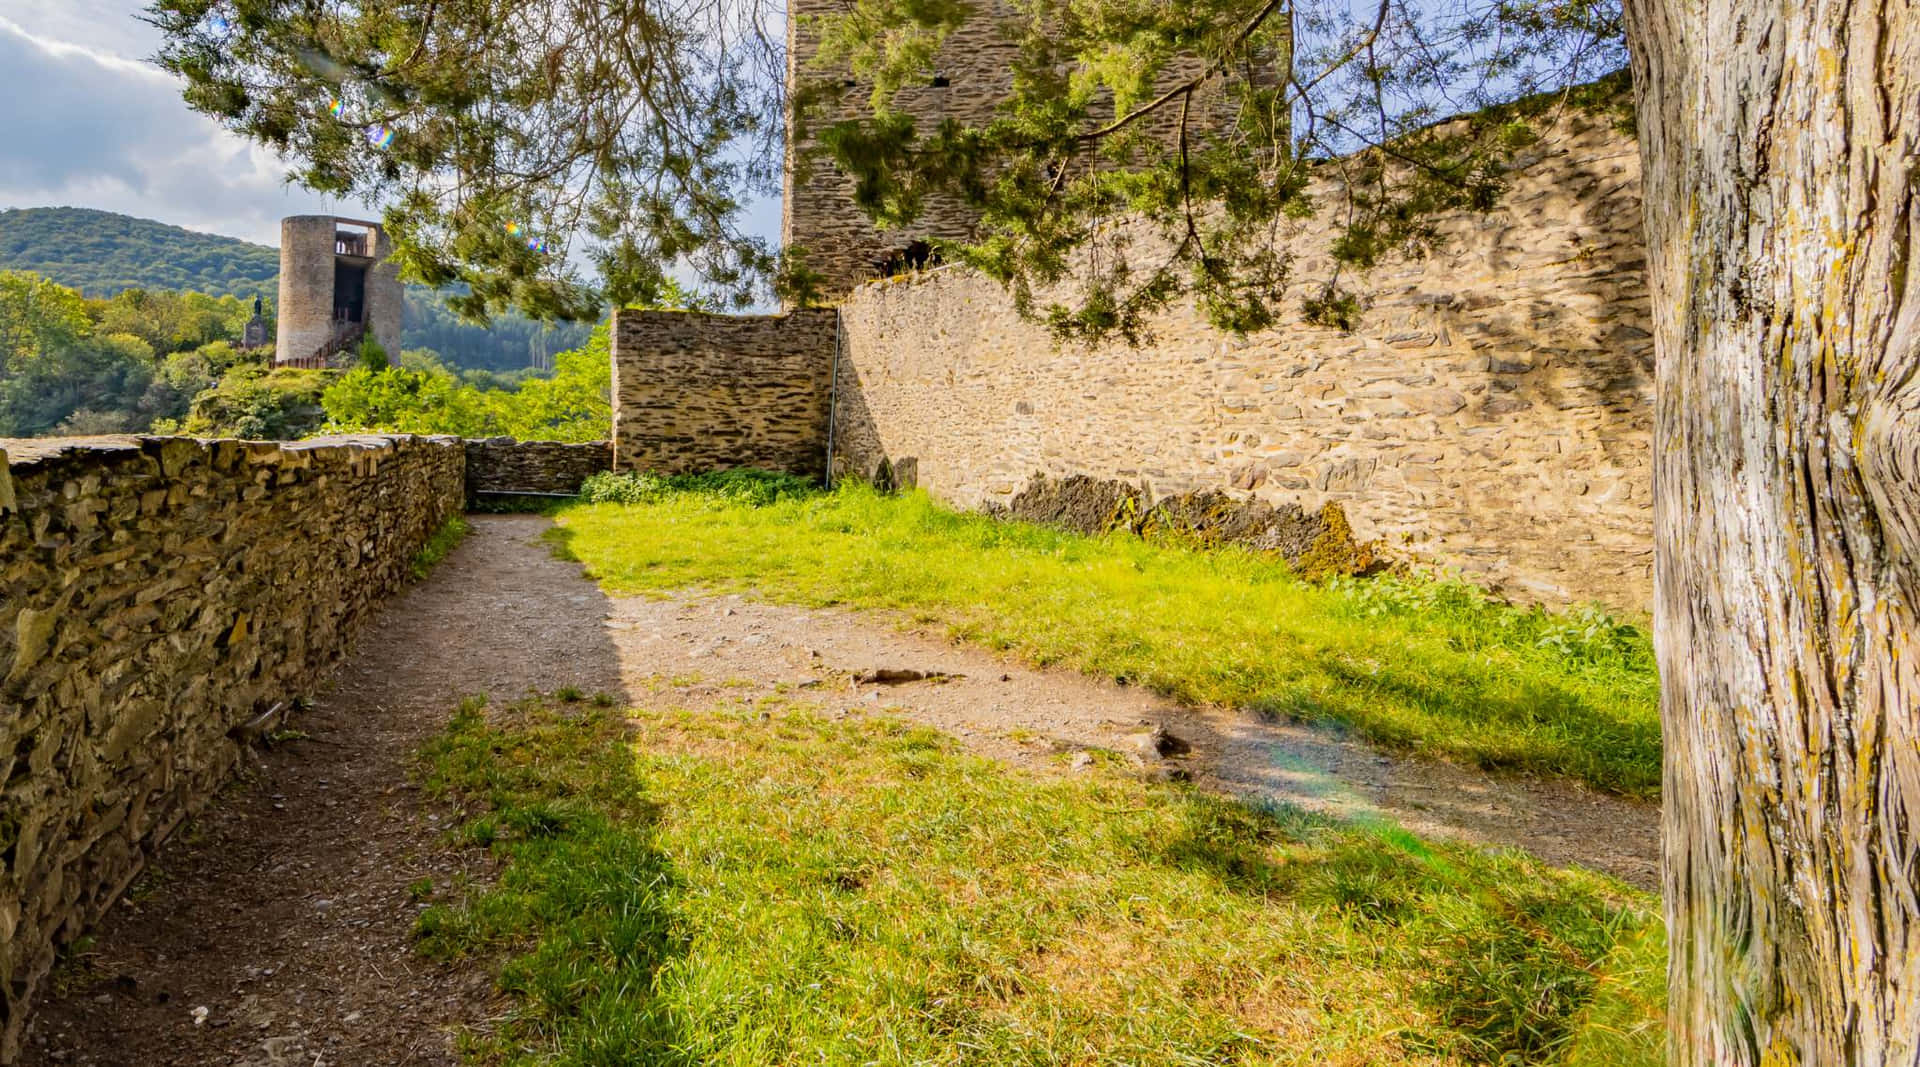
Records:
x=1335, y=552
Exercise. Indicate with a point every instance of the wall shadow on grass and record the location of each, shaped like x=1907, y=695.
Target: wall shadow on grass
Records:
x=581, y=915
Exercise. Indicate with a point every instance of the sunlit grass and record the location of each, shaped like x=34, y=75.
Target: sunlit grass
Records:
x=1431, y=667
x=762, y=884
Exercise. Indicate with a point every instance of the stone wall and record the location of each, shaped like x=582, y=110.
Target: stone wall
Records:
x=696, y=392
x=157, y=595
x=504, y=465
x=1491, y=411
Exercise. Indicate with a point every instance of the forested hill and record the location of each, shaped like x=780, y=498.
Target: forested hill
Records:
x=102, y=253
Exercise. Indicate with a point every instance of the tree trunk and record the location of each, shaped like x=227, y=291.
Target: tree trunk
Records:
x=1779, y=142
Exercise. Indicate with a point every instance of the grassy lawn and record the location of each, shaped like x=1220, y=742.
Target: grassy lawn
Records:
x=1417, y=665
x=763, y=884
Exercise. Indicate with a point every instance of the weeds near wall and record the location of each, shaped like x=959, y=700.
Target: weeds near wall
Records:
x=749, y=488
x=443, y=541
x=758, y=883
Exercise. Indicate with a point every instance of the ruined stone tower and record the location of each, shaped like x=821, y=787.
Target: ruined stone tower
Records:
x=973, y=74
x=336, y=286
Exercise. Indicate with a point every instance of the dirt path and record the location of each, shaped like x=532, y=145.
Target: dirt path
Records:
x=689, y=651
x=286, y=910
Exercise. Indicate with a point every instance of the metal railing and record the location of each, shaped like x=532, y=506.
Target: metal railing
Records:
x=346, y=337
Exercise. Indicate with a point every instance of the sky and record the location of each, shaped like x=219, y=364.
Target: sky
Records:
x=85, y=121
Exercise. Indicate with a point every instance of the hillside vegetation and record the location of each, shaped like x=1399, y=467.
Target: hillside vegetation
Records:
x=169, y=362
x=101, y=254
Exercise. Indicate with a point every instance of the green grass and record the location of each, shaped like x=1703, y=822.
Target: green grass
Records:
x=443, y=541
x=760, y=884
x=1428, y=666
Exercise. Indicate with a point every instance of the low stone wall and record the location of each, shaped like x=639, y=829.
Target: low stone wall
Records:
x=696, y=392
x=157, y=595
x=1491, y=410
x=504, y=465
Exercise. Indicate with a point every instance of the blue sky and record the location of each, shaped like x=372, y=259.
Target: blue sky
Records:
x=85, y=121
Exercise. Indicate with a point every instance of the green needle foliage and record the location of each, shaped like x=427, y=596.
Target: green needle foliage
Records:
x=1143, y=150
x=1431, y=667
x=496, y=132
x=768, y=884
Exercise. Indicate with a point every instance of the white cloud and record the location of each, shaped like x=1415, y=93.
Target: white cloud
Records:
x=86, y=121
x=93, y=125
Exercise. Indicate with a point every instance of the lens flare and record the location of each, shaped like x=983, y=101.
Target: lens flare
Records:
x=379, y=136
x=537, y=244
x=513, y=229
x=337, y=108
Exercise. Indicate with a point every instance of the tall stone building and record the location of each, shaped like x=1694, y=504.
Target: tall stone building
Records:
x=337, y=285
x=973, y=75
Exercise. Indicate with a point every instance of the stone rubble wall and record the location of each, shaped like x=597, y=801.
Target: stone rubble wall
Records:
x=157, y=596
x=1491, y=411
x=695, y=392
x=504, y=465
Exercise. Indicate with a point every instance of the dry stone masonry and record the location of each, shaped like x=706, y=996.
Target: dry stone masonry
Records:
x=157, y=596
x=695, y=392
x=1491, y=410
x=502, y=465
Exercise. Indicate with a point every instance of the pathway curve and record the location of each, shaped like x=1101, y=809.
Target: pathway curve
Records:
x=686, y=651
x=285, y=910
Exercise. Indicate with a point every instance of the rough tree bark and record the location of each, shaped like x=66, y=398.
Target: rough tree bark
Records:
x=1779, y=138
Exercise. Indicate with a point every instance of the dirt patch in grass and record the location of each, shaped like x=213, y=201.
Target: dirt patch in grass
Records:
x=1418, y=666
x=695, y=650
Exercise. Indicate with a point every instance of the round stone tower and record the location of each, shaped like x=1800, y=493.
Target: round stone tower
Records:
x=336, y=286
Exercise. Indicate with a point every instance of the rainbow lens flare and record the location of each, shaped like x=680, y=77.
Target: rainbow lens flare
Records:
x=337, y=108
x=513, y=229
x=379, y=136
x=537, y=244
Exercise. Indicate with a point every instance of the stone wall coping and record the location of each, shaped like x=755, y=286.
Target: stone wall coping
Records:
x=29, y=449
x=603, y=443
x=721, y=317
x=28, y=452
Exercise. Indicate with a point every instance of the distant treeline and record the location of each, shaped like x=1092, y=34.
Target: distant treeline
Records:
x=101, y=253
x=170, y=362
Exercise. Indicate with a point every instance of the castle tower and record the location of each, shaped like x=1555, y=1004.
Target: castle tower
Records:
x=337, y=285
x=818, y=213
x=973, y=75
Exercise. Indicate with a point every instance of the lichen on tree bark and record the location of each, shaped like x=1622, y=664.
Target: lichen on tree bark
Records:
x=1779, y=143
